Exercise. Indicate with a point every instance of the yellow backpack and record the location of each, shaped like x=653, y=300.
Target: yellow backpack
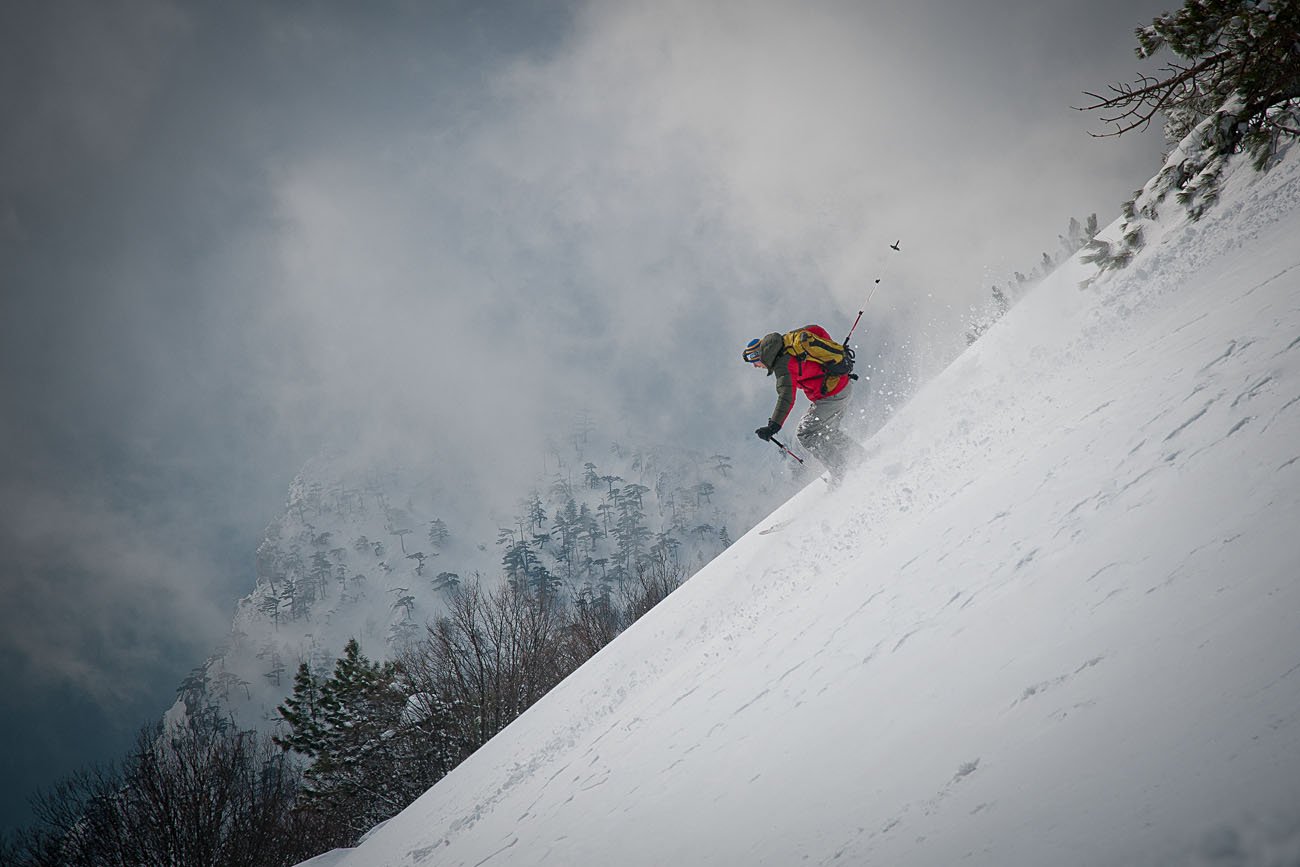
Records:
x=836, y=359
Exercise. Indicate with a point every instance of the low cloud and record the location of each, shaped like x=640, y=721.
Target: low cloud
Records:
x=94, y=597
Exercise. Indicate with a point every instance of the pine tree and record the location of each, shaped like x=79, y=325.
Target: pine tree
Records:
x=535, y=511
x=446, y=581
x=368, y=754
x=304, y=715
x=568, y=526
x=1239, y=62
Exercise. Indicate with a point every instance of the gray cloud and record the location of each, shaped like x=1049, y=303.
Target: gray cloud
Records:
x=231, y=235
x=93, y=593
x=79, y=78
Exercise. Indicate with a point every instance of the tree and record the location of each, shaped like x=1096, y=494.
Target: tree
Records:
x=276, y=671
x=270, y=606
x=1239, y=61
x=190, y=795
x=594, y=622
x=369, y=754
x=401, y=533
x=518, y=561
x=630, y=532
x=303, y=712
x=567, y=524
x=321, y=571
x=446, y=580
x=535, y=511
x=492, y=656
x=646, y=591
x=636, y=492
x=664, y=552
x=438, y=533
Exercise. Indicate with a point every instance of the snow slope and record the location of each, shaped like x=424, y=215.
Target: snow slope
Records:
x=1053, y=619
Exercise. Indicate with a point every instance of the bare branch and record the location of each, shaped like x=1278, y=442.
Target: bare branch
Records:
x=1148, y=95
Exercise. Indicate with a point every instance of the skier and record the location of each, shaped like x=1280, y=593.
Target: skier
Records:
x=819, y=431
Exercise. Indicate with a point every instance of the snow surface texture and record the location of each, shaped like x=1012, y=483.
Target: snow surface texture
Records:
x=1053, y=619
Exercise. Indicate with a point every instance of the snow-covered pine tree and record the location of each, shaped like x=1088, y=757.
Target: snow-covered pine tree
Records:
x=1238, y=62
x=370, y=749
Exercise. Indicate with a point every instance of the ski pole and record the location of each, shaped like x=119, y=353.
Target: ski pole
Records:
x=786, y=449
x=845, y=341
x=895, y=247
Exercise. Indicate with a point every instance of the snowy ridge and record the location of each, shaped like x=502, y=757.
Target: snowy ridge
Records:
x=1053, y=619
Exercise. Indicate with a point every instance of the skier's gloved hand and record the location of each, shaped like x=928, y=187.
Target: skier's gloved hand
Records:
x=766, y=433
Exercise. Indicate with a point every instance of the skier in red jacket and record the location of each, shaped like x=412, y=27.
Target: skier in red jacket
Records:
x=819, y=429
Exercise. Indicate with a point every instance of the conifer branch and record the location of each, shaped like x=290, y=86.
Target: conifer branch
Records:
x=1153, y=95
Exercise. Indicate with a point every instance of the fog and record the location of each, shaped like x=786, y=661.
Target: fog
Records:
x=231, y=235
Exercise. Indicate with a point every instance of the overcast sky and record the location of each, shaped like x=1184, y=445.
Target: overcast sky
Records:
x=231, y=233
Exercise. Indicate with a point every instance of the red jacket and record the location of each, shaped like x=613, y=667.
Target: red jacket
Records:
x=807, y=376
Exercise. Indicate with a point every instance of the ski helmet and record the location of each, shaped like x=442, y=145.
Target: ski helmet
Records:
x=751, y=354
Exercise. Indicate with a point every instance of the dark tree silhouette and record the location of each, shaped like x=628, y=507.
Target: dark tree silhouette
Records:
x=1238, y=60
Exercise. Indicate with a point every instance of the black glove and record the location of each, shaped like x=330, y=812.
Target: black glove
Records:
x=766, y=433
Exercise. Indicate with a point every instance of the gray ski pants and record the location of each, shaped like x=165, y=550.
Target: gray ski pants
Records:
x=819, y=432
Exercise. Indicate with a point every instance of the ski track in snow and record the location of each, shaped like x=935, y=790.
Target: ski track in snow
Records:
x=1025, y=631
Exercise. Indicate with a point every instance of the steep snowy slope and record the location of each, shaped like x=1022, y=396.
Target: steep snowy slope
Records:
x=1053, y=619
